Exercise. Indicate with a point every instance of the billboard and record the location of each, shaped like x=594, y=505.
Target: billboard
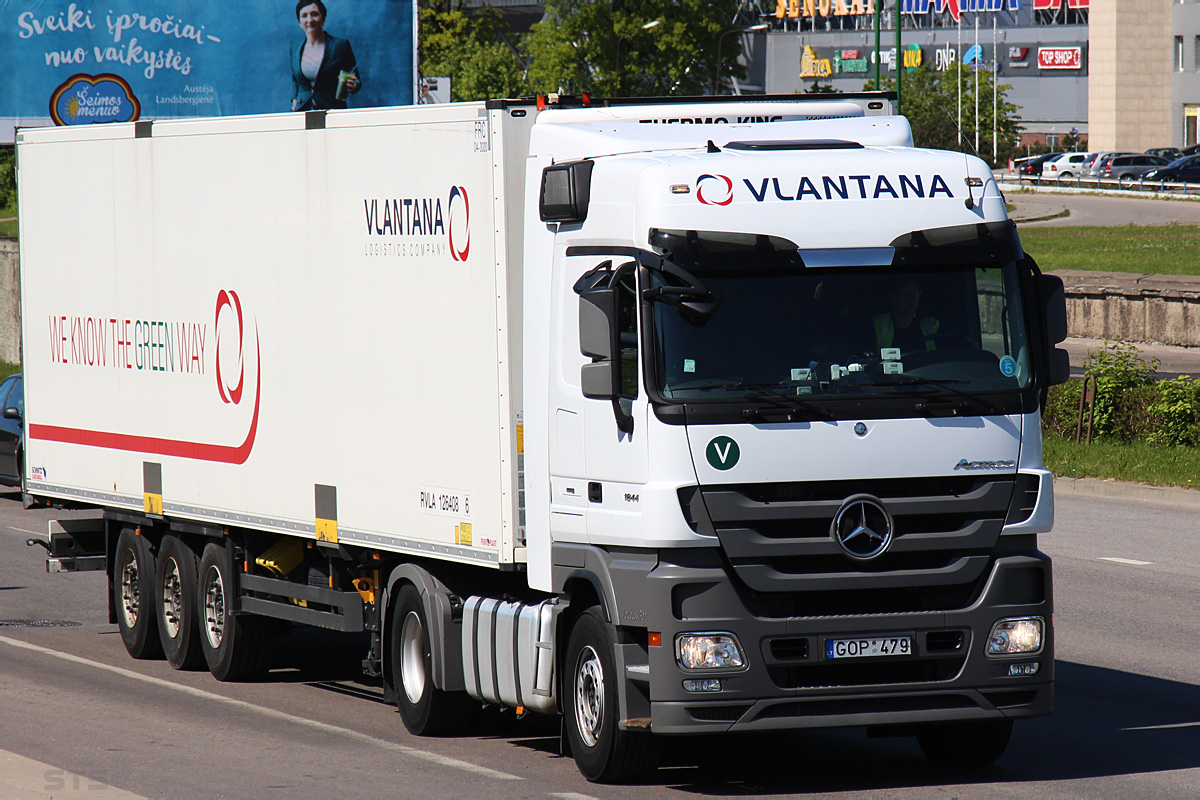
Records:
x=81, y=62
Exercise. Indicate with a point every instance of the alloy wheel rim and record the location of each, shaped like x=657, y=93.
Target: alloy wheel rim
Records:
x=214, y=607
x=589, y=696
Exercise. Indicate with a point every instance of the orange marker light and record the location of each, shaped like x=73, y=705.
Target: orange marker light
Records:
x=655, y=639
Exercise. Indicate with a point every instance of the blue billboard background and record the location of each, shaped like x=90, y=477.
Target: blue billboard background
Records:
x=183, y=58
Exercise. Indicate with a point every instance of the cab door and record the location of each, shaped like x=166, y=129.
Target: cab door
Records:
x=614, y=425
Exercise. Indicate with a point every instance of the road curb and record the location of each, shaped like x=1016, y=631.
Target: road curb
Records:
x=1123, y=490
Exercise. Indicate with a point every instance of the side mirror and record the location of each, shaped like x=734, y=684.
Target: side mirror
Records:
x=599, y=340
x=12, y=413
x=1054, y=322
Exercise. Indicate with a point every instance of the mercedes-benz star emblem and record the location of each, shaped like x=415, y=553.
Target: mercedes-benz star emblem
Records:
x=862, y=527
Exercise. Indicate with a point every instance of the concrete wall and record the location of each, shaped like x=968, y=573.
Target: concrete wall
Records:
x=10, y=302
x=1136, y=308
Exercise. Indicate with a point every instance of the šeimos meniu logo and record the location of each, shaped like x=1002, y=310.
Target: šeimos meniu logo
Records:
x=401, y=227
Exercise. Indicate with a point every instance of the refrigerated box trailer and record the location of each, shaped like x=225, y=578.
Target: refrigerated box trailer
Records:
x=622, y=411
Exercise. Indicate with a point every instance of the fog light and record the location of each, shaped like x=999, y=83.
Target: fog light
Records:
x=1016, y=636
x=708, y=651
x=703, y=685
x=1022, y=670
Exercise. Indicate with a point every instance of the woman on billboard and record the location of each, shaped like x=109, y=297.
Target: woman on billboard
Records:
x=324, y=70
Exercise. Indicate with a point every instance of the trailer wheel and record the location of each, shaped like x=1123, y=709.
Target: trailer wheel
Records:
x=237, y=647
x=602, y=751
x=965, y=744
x=133, y=595
x=425, y=709
x=178, y=628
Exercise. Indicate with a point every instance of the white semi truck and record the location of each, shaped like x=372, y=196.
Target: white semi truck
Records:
x=622, y=411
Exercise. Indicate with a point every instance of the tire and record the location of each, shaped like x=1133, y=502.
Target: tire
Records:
x=177, y=603
x=133, y=586
x=965, y=744
x=1125, y=181
x=236, y=647
x=603, y=752
x=425, y=709
x=1062, y=175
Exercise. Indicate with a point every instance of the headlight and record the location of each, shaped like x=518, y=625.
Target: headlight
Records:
x=1020, y=636
x=708, y=651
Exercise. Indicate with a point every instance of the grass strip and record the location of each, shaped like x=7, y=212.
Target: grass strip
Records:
x=1137, y=462
x=1141, y=249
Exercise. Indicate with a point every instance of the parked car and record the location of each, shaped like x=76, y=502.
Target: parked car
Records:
x=1179, y=170
x=1190, y=150
x=12, y=436
x=1065, y=166
x=1095, y=168
x=1128, y=169
x=1169, y=153
x=1032, y=166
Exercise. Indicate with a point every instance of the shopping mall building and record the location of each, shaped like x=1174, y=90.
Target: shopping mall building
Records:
x=1123, y=74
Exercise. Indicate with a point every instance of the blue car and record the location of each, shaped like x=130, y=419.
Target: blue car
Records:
x=12, y=433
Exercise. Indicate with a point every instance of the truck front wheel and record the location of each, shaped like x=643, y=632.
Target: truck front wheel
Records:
x=133, y=595
x=177, y=625
x=425, y=709
x=237, y=647
x=965, y=744
x=602, y=751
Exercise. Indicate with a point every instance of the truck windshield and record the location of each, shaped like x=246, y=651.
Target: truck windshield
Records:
x=805, y=332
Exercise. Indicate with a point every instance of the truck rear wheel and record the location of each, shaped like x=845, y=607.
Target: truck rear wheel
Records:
x=602, y=751
x=236, y=647
x=425, y=709
x=965, y=744
x=133, y=595
x=178, y=628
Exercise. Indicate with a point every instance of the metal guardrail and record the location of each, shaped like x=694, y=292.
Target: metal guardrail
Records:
x=1161, y=186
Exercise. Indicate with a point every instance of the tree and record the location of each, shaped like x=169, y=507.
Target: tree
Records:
x=930, y=102
x=578, y=45
x=468, y=48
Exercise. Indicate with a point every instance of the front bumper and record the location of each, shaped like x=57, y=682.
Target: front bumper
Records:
x=788, y=683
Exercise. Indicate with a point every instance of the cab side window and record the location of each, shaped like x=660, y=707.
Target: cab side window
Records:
x=627, y=305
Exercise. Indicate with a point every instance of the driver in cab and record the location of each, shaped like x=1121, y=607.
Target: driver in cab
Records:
x=902, y=327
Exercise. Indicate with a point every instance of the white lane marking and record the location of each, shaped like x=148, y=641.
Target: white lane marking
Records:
x=435, y=758
x=1127, y=561
x=1164, y=727
x=571, y=796
x=25, y=778
x=22, y=530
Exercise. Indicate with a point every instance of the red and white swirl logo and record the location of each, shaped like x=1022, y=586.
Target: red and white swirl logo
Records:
x=229, y=360
x=459, y=227
x=714, y=190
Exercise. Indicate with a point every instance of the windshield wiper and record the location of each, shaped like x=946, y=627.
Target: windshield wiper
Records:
x=770, y=392
x=934, y=409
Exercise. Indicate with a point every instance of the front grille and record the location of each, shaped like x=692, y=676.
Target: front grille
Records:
x=776, y=537
x=867, y=673
x=866, y=705
x=717, y=713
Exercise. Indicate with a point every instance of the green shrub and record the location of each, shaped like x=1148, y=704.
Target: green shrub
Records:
x=1061, y=413
x=1122, y=378
x=1177, y=413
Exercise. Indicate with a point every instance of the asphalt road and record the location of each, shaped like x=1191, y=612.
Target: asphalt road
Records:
x=82, y=719
x=1094, y=209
